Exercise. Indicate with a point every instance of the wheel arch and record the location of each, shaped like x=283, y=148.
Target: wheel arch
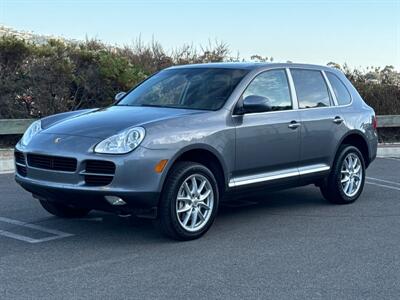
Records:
x=358, y=140
x=206, y=155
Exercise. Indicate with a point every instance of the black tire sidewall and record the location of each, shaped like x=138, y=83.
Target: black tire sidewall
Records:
x=178, y=175
x=336, y=180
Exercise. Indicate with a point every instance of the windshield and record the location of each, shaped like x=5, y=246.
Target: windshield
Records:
x=191, y=88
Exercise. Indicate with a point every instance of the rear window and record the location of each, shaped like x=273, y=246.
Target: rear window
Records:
x=311, y=88
x=342, y=94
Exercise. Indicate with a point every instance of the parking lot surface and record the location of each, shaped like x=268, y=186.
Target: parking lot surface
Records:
x=289, y=245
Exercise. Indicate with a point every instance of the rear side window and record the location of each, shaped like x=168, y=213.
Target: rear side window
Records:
x=342, y=94
x=274, y=86
x=311, y=88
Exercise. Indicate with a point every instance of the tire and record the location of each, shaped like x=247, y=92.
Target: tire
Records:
x=63, y=211
x=180, y=225
x=347, y=192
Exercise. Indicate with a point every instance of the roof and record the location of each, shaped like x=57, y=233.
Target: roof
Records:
x=251, y=65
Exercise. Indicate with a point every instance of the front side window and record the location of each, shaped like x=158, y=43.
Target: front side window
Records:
x=272, y=85
x=311, y=88
x=190, y=88
x=342, y=94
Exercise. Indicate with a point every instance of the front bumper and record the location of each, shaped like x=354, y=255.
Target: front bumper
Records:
x=134, y=180
x=88, y=197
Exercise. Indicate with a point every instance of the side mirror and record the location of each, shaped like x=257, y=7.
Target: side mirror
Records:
x=119, y=96
x=254, y=104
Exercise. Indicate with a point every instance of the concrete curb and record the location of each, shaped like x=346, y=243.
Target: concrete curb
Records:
x=7, y=156
x=6, y=161
x=389, y=150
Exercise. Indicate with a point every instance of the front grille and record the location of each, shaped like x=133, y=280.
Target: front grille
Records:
x=100, y=166
x=21, y=170
x=20, y=163
x=99, y=172
x=56, y=163
x=19, y=158
x=98, y=180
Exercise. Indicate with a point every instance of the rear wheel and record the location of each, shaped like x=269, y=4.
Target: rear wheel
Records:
x=346, y=180
x=189, y=201
x=63, y=211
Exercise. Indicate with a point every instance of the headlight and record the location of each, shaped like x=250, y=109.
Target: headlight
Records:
x=121, y=143
x=32, y=130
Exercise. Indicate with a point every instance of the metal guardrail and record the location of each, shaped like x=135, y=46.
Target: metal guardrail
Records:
x=14, y=126
x=18, y=126
x=388, y=121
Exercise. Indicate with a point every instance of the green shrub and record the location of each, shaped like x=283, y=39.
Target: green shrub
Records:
x=39, y=80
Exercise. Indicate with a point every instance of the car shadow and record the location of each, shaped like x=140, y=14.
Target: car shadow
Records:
x=288, y=201
x=132, y=230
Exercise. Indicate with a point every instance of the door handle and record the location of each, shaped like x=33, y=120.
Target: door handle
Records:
x=337, y=120
x=294, y=125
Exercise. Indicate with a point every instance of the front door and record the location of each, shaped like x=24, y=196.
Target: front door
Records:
x=268, y=143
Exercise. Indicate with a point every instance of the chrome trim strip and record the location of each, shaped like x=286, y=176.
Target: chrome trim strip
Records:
x=19, y=164
x=96, y=174
x=245, y=180
x=269, y=176
x=313, y=169
x=50, y=170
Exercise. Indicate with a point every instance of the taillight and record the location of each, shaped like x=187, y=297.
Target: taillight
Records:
x=374, y=122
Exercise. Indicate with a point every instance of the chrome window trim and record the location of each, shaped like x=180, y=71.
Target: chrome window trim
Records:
x=269, y=176
x=266, y=112
x=294, y=103
x=294, y=87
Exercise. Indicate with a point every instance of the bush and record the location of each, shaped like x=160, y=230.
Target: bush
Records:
x=380, y=88
x=42, y=79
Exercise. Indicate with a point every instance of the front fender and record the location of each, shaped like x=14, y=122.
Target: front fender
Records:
x=198, y=146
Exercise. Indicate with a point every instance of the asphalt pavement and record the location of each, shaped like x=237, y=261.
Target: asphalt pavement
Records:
x=284, y=245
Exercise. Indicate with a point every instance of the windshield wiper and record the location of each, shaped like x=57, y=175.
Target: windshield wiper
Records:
x=153, y=105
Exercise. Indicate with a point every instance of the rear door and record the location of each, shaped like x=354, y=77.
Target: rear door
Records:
x=320, y=121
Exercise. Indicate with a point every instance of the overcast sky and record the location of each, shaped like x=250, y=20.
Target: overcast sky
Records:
x=361, y=33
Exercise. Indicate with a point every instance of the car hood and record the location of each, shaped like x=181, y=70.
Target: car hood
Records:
x=105, y=122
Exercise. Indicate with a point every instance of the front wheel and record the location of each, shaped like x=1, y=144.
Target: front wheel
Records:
x=63, y=211
x=189, y=201
x=346, y=180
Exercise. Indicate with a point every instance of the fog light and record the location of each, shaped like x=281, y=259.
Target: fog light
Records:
x=114, y=200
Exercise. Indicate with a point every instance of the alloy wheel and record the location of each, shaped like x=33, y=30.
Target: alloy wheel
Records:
x=195, y=202
x=351, y=175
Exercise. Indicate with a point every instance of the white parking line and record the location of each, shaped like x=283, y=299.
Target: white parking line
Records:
x=7, y=172
x=392, y=158
x=56, y=233
x=387, y=181
x=384, y=185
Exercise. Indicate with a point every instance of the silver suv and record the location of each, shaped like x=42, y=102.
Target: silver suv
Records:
x=189, y=137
